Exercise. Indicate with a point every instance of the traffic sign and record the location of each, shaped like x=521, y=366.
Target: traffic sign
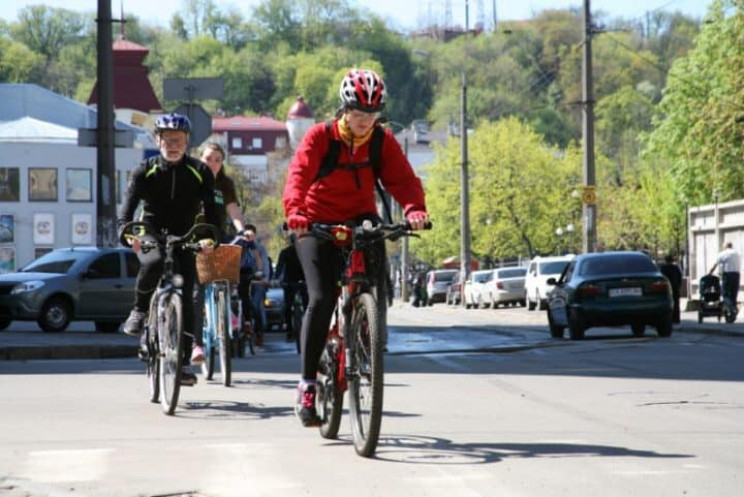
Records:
x=193, y=89
x=589, y=196
x=201, y=122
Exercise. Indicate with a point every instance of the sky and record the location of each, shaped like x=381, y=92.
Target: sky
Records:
x=404, y=14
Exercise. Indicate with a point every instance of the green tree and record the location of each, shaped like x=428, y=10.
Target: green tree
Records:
x=698, y=129
x=46, y=30
x=18, y=63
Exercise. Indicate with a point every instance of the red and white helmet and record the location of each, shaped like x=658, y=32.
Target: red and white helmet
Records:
x=364, y=90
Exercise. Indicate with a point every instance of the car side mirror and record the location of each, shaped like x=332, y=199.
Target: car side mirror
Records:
x=551, y=281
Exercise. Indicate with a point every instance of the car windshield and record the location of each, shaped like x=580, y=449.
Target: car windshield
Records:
x=513, y=273
x=555, y=267
x=444, y=276
x=617, y=264
x=482, y=277
x=57, y=262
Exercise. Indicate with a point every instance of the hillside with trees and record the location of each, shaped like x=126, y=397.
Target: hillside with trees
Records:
x=669, y=94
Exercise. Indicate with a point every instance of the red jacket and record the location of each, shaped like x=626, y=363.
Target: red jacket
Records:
x=336, y=197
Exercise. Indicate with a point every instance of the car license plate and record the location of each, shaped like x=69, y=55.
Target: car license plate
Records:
x=625, y=292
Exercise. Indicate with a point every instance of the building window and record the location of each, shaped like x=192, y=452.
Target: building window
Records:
x=281, y=142
x=10, y=186
x=257, y=144
x=237, y=143
x=42, y=184
x=79, y=185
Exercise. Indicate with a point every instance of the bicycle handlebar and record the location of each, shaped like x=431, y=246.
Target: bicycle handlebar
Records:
x=368, y=229
x=128, y=231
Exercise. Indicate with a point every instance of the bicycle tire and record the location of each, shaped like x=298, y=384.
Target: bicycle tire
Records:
x=171, y=352
x=366, y=380
x=330, y=399
x=223, y=333
x=207, y=366
x=153, y=358
x=251, y=339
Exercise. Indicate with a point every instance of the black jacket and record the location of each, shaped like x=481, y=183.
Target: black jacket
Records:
x=172, y=194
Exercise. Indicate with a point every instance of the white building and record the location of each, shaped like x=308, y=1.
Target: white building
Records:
x=48, y=183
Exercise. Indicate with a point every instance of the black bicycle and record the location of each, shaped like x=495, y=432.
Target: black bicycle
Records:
x=353, y=356
x=164, y=326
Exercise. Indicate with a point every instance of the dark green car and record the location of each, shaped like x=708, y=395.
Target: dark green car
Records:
x=610, y=289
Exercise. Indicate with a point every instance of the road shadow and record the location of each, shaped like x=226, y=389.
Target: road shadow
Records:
x=435, y=450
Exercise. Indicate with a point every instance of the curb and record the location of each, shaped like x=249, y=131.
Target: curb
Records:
x=27, y=353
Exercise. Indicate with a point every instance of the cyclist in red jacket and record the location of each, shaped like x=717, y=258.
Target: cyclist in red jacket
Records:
x=347, y=193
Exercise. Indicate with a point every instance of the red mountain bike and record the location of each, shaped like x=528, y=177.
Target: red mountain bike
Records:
x=353, y=356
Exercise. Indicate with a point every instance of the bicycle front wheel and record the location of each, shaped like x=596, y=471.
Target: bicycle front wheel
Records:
x=366, y=376
x=223, y=333
x=153, y=356
x=171, y=352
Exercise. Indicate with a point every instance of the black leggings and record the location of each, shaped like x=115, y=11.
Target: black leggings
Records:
x=321, y=262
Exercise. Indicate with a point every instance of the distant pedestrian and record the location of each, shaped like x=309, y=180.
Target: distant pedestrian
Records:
x=418, y=289
x=730, y=267
x=674, y=274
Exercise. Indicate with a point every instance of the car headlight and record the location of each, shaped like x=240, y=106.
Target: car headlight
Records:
x=270, y=303
x=27, y=286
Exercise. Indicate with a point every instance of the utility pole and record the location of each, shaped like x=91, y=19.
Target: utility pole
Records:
x=587, y=94
x=464, y=192
x=106, y=166
x=404, y=247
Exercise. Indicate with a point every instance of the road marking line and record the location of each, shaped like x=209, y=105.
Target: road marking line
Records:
x=66, y=465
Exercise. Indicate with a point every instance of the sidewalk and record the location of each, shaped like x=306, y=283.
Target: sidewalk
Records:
x=25, y=341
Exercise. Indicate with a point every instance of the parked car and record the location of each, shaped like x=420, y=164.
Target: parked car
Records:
x=437, y=281
x=475, y=294
x=274, y=306
x=505, y=287
x=610, y=289
x=536, y=282
x=78, y=283
x=454, y=290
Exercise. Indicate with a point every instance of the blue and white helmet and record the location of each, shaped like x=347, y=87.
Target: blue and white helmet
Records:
x=173, y=122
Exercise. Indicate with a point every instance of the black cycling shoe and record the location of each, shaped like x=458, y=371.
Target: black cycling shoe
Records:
x=188, y=379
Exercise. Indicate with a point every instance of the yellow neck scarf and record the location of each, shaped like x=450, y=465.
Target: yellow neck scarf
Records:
x=347, y=135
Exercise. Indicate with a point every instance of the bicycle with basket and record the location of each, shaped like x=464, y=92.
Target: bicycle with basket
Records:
x=218, y=270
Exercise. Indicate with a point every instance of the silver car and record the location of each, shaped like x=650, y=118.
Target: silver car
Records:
x=79, y=283
x=505, y=287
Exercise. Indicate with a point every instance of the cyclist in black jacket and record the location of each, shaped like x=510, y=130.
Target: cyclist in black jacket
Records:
x=172, y=187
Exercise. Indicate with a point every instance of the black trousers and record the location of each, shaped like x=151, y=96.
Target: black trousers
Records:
x=148, y=277
x=322, y=263
x=730, y=286
x=290, y=290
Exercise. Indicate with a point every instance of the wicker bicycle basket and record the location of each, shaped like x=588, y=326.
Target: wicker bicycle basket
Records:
x=223, y=263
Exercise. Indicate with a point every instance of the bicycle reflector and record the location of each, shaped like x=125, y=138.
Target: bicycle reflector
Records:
x=356, y=264
x=341, y=236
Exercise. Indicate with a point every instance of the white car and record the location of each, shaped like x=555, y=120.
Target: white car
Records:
x=475, y=296
x=536, y=286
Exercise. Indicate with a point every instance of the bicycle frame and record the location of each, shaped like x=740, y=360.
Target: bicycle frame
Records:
x=215, y=292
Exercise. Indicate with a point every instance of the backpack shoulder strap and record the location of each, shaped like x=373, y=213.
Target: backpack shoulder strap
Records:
x=330, y=161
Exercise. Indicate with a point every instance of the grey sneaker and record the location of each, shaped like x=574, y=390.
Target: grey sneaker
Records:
x=135, y=322
x=188, y=378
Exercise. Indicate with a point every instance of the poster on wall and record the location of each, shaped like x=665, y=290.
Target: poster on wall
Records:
x=42, y=184
x=10, y=186
x=7, y=260
x=44, y=229
x=79, y=185
x=39, y=251
x=7, y=228
x=82, y=232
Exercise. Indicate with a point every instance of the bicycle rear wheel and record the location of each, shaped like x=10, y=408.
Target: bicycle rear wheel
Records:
x=223, y=333
x=366, y=378
x=330, y=398
x=171, y=352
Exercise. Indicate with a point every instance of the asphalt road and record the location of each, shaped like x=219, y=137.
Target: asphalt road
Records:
x=611, y=415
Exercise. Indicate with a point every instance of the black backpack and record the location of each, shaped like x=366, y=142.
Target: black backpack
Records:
x=330, y=162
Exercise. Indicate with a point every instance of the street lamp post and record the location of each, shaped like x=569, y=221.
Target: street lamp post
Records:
x=570, y=230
